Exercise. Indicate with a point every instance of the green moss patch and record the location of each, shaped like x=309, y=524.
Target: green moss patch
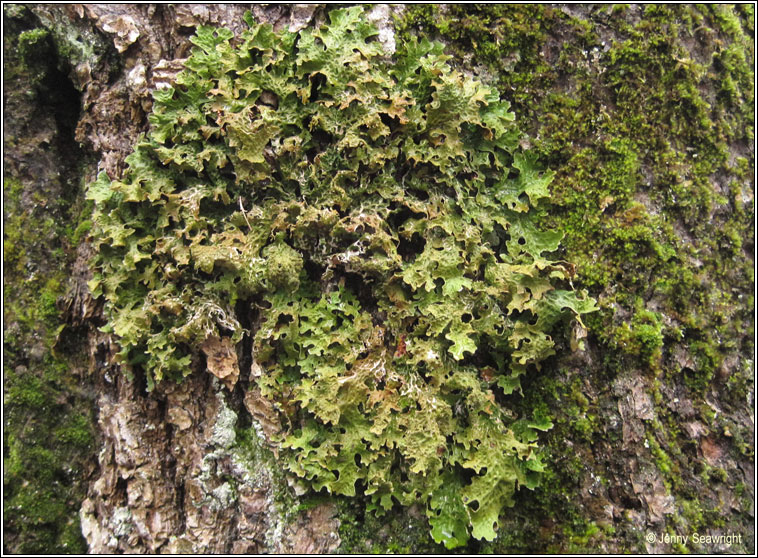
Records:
x=48, y=423
x=647, y=115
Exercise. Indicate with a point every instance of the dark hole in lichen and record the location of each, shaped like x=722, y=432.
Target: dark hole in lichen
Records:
x=403, y=475
x=408, y=249
x=363, y=290
x=392, y=122
x=423, y=372
x=399, y=214
x=284, y=319
x=313, y=270
x=318, y=80
x=246, y=314
x=419, y=194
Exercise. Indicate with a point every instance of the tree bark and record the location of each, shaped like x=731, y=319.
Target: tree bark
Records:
x=168, y=471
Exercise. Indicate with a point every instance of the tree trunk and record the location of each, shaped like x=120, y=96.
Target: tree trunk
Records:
x=653, y=431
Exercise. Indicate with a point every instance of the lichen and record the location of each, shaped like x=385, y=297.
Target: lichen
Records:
x=646, y=113
x=122, y=522
x=224, y=434
x=372, y=227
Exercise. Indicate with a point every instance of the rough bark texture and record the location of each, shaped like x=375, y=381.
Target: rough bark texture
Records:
x=173, y=479
x=654, y=430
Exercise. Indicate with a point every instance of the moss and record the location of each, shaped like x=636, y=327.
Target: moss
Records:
x=34, y=43
x=42, y=466
x=49, y=297
x=583, y=541
x=363, y=532
x=48, y=423
x=642, y=336
x=249, y=449
x=76, y=430
x=26, y=390
x=662, y=460
x=648, y=135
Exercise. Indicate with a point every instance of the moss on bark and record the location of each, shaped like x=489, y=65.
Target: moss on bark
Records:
x=646, y=114
x=48, y=421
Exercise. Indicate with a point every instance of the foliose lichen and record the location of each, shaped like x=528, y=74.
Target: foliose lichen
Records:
x=373, y=224
x=651, y=135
